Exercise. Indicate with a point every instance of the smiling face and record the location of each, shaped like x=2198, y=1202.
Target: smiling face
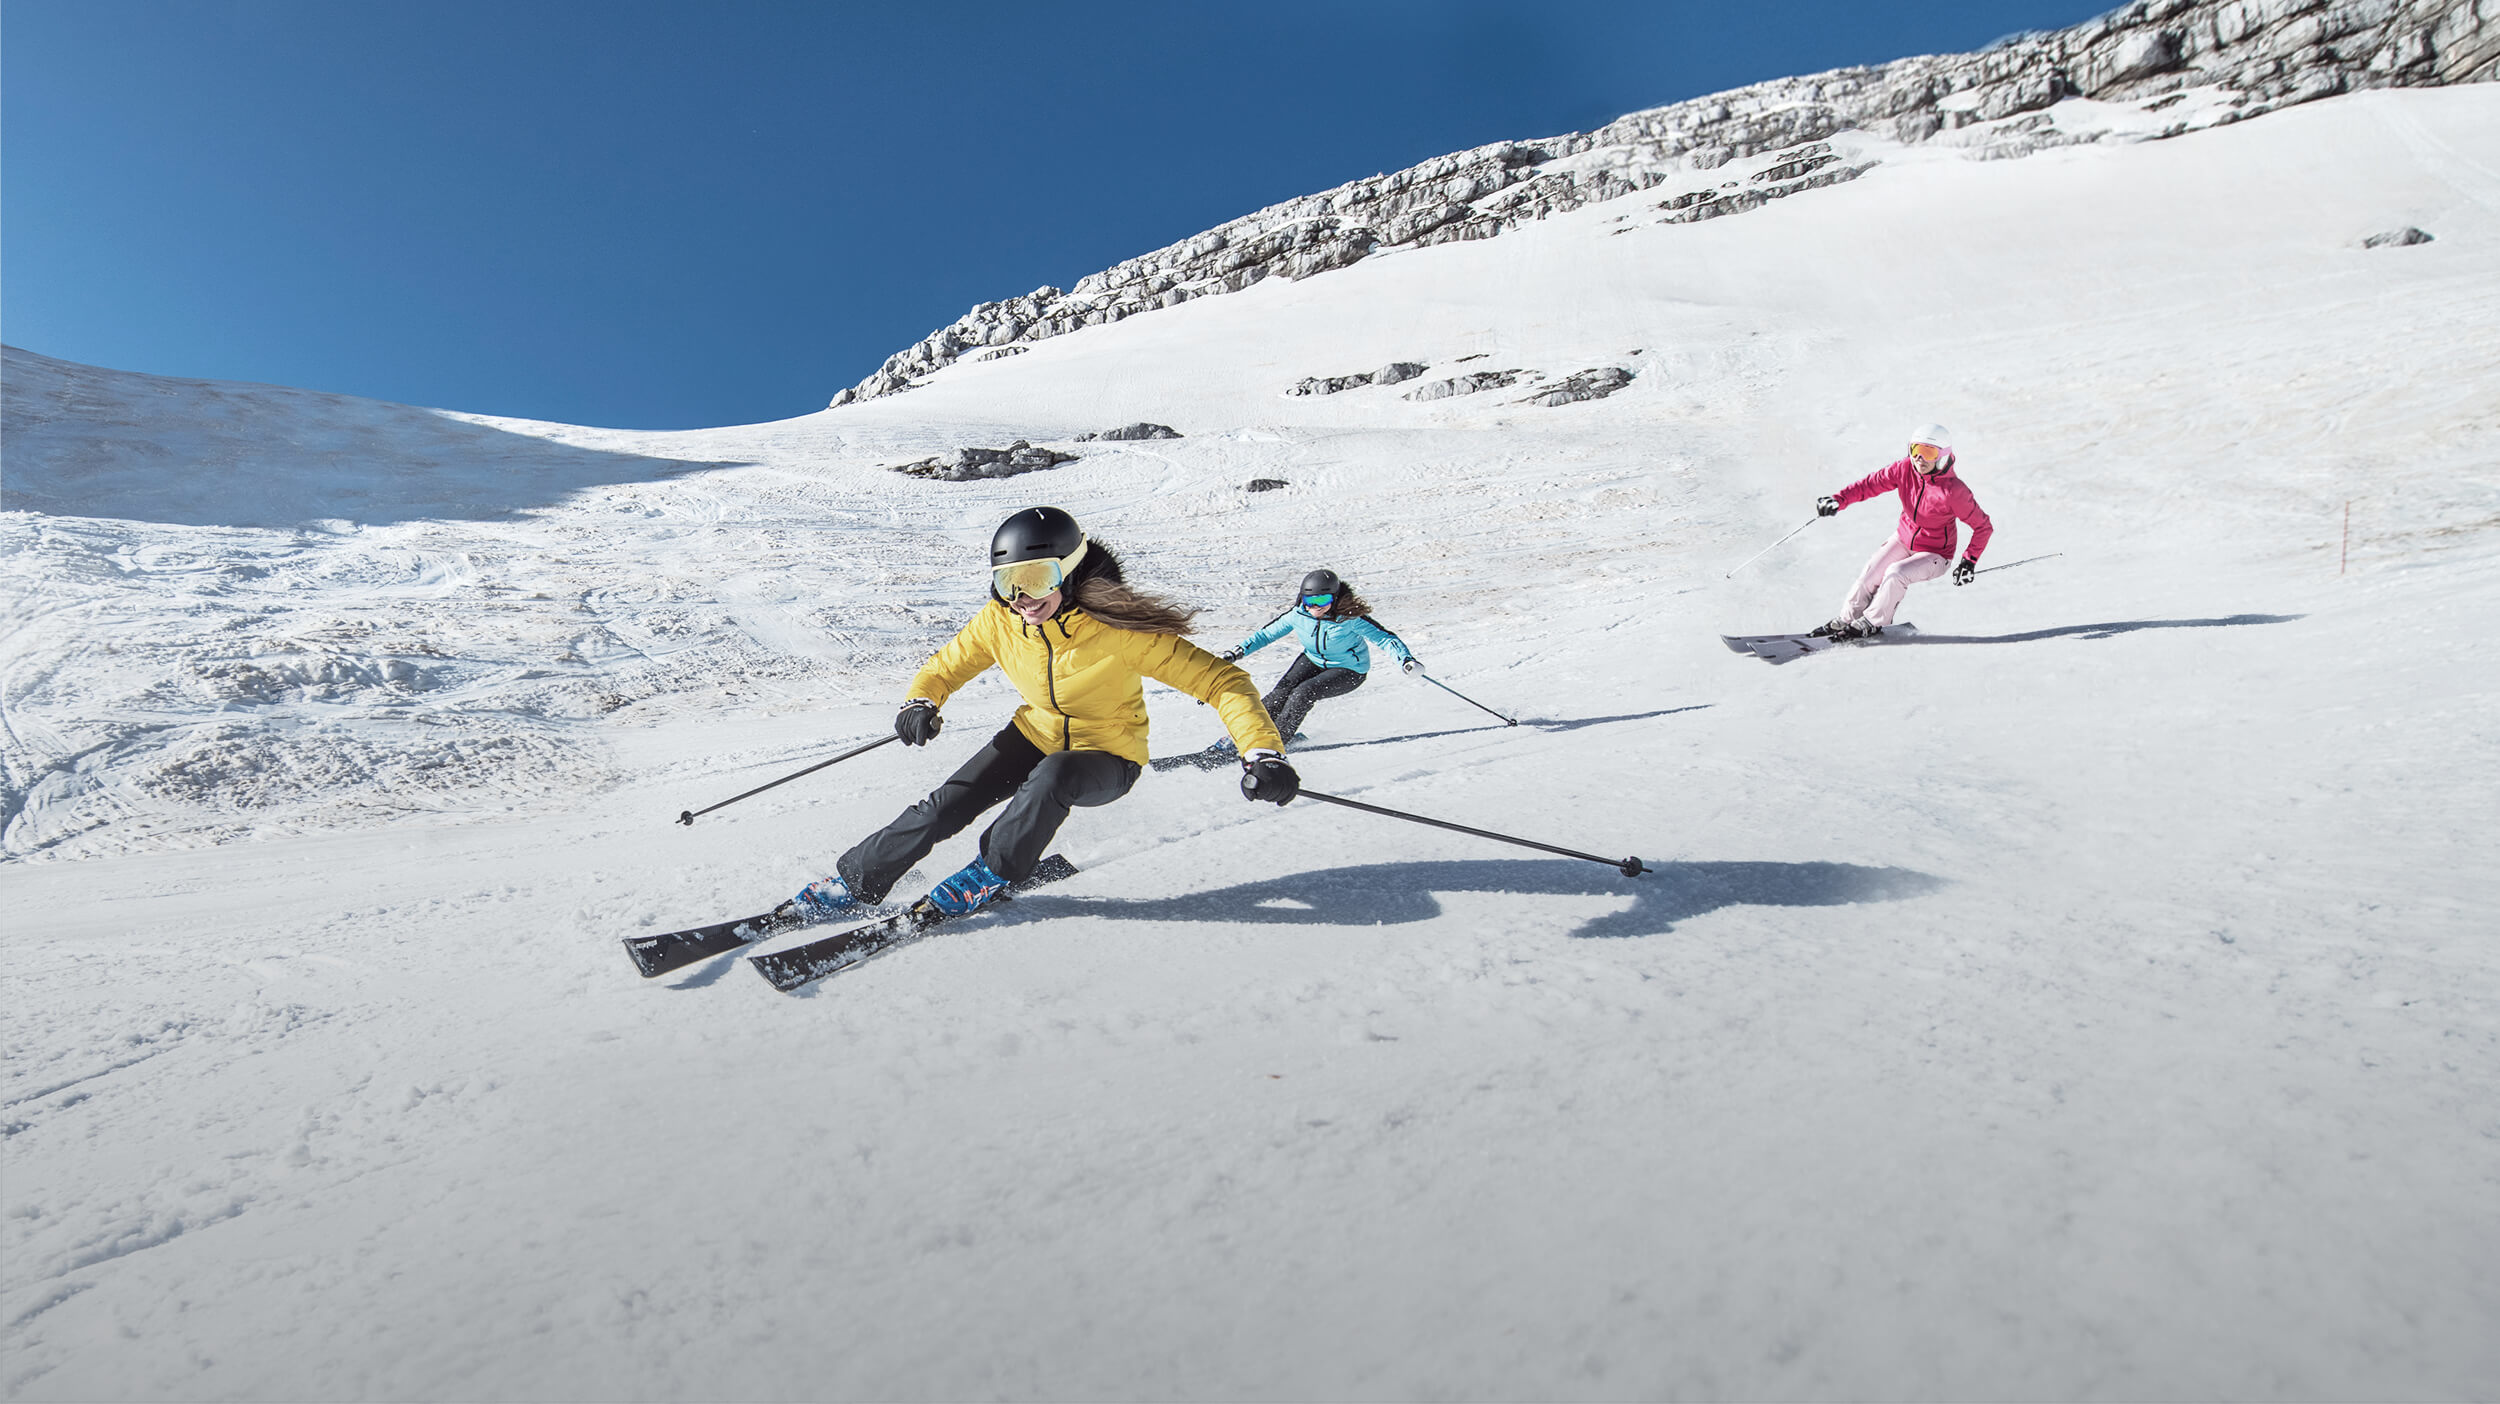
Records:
x=1927, y=458
x=1033, y=609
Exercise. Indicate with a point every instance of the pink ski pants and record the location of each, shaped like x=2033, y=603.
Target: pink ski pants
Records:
x=1889, y=574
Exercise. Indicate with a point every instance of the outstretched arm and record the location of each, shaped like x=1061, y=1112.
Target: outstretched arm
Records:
x=1883, y=480
x=963, y=659
x=1176, y=662
x=1980, y=527
x=1275, y=629
x=1369, y=629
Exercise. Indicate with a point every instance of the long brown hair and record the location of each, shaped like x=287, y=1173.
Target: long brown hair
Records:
x=1100, y=591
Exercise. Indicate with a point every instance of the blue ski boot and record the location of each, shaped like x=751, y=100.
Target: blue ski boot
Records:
x=966, y=890
x=824, y=899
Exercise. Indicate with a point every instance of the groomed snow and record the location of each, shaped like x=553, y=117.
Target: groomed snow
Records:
x=2096, y=1000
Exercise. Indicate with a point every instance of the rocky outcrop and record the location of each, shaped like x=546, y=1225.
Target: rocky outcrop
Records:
x=2396, y=239
x=1470, y=384
x=2254, y=56
x=1594, y=384
x=1140, y=430
x=1264, y=485
x=1394, y=373
x=966, y=464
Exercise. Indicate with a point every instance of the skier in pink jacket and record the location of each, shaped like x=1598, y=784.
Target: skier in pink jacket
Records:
x=1932, y=500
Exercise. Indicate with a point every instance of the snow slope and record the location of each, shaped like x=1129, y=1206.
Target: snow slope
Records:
x=2094, y=1000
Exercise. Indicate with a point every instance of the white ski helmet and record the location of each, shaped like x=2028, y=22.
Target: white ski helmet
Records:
x=1932, y=434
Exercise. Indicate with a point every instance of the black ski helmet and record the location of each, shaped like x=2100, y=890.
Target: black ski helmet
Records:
x=1035, y=534
x=1320, y=582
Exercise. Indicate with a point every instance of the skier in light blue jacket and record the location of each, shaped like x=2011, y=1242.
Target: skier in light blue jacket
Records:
x=1336, y=632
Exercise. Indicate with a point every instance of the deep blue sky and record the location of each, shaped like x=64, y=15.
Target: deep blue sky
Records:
x=660, y=215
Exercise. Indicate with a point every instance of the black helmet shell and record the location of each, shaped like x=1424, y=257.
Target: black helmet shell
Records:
x=1321, y=582
x=1035, y=534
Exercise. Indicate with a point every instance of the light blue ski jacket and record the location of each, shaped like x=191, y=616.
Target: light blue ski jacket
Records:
x=1330, y=643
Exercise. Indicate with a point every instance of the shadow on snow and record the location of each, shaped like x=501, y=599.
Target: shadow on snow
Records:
x=1570, y=725
x=1397, y=893
x=2093, y=631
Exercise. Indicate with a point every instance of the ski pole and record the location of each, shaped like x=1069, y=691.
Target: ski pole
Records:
x=688, y=816
x=1629, y=867
x=1758, y=555
x=1463, y=697
x=2009, y=565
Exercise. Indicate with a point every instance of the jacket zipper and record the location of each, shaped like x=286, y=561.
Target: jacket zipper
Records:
x=1050, y=682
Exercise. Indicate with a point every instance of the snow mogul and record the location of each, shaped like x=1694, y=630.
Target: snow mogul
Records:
x=1076, y=640
x=1932, y=500
x=1336, y=631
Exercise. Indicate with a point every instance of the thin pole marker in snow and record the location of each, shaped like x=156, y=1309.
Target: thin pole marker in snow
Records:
x=688, y=816
x=1758, y=555
x=1629, y=867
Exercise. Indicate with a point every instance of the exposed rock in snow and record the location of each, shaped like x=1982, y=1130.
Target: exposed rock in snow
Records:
x=1139, y=430
x=1001, y=353
x=2251, y=56
x=1594, y=384
x=1391, y=374
x=2396, y=238
x=1330, y=384
x=966, y=464
x=1464, y=385
x=1263, y=484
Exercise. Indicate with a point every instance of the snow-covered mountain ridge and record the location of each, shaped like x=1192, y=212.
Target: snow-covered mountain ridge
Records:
x=2180, y=65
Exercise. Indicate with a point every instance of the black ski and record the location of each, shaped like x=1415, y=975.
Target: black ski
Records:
x=675, y=950
x=1219, y=756
x=1787, y=648
x=1214, y=757
x=789, y=969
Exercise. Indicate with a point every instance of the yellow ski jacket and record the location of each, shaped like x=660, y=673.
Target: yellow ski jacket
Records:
x=1081, y=680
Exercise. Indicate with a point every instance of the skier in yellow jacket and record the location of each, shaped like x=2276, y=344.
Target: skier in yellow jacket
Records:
x=1076, y=641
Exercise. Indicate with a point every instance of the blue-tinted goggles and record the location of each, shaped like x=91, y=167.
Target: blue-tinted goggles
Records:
x=1318, y=601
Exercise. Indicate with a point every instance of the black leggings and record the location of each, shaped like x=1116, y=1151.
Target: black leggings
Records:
x=1301, y=688
x=1039, y=790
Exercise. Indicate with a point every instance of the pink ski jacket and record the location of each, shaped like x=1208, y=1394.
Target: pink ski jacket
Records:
x=1929, y=506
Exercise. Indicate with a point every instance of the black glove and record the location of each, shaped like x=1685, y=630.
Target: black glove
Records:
x=1826, y=506
x=917, y=722
x=1265, y=776
x=1230, y=655
x=1412, y=666
x=1962, y=573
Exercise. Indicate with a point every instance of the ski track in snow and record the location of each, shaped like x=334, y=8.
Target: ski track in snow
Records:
x=2091, y=998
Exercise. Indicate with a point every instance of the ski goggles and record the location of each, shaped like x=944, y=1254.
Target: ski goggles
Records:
x=1318, y=602
x=1035, y=578
x=1926, y=455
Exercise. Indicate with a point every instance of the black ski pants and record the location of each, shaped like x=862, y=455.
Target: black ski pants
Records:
x=1039, y=790
x=1301, y=689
